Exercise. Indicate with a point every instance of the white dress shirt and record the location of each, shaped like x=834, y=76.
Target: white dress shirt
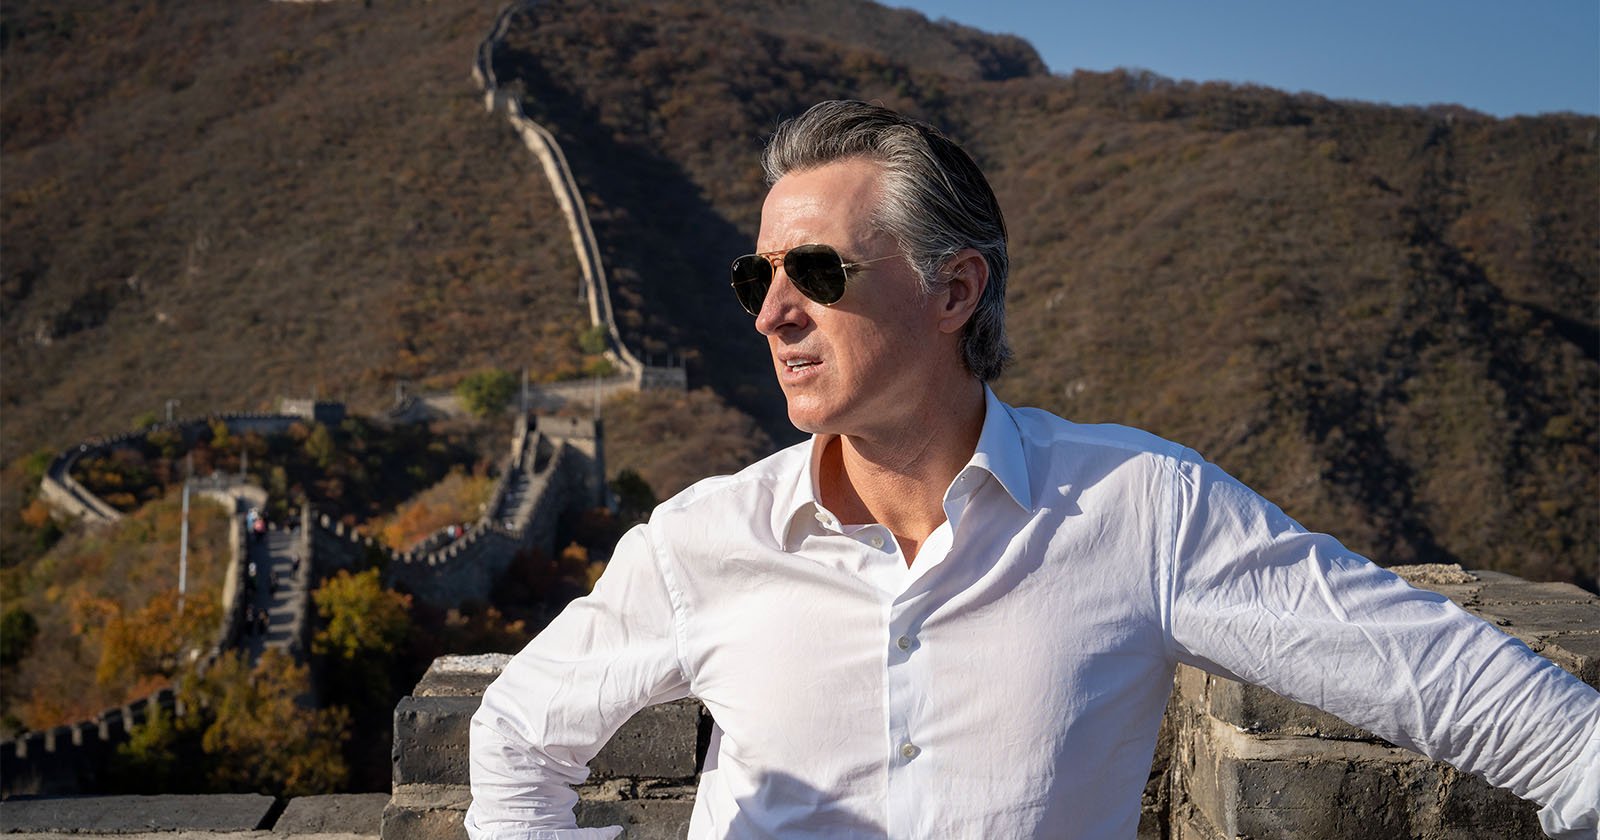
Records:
x=1010, y=682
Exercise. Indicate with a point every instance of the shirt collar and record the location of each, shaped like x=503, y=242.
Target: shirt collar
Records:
x=998, y=453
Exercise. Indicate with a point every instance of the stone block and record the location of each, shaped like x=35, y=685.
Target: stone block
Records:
x=1529, y=620
x=641, y=819
x=1257, y=710
x=354, y=813
x=1296, y=787
x=128, y=814
x=1528, y=592
x=459, y=676
x=426, y=812
x=658, y=742
x=1577, y=653
x=1472, y=809
x=430, y=739
x=431, y=742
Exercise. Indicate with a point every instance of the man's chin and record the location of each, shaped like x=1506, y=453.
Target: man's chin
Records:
x=806, y=420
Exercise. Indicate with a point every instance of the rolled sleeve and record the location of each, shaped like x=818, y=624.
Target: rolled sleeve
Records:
x=559, y=700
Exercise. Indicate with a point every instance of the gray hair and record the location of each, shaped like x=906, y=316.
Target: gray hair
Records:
x=935, y=203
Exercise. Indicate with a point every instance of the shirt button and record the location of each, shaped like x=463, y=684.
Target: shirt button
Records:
x=877, y=541
x=904, y=643
x=825, y=519
x=909, y=750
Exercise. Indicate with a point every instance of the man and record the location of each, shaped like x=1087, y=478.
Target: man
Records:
x=947, y=617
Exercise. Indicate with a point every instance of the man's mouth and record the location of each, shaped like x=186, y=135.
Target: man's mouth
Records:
x=797, y=364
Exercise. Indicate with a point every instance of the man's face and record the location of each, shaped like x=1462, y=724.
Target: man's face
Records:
x=856, y=367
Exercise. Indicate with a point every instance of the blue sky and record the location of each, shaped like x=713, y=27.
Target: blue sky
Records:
x=1501, y=57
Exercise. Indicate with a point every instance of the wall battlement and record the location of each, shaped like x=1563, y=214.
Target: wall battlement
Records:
x=555, y=463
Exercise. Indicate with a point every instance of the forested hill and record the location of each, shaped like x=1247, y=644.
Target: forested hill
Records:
x=1383, y=318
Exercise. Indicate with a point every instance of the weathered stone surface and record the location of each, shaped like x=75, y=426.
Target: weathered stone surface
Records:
x=1254, y=787
x=1435, y=574
x=1578, y=653
x=431, y=742
x=641, y=819
x=658, y=742
x=356, y=813
x=1260, y=711
x=1472, y=809
x=1521, y=620
x=406, y=824
x=1527, y=592
x=426, y=812
x=461, y=675
x=130, y=814
x=430, y=739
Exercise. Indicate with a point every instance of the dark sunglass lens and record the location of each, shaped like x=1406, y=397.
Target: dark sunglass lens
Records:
x=817, y=271
x=752, y=276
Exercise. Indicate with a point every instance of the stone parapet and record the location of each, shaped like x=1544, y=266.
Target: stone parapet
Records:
x=1235, y=761
x=1247, y=763
x=643, y=778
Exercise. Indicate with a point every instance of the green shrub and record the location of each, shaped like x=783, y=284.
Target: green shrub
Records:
x=488, y=391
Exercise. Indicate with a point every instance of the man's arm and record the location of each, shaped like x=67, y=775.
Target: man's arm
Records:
x=1256, y=597
x=556, y=704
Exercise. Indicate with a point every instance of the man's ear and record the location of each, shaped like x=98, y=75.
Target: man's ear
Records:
x=966, y=276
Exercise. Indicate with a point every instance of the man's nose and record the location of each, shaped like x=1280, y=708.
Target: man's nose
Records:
x=784, y=306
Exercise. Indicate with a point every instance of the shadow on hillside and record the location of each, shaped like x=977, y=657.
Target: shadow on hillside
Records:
x=666, y=248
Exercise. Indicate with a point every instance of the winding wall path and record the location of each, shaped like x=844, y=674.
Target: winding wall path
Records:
x=544, y=146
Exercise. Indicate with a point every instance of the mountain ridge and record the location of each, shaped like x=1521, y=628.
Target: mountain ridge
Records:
x=1374, y=315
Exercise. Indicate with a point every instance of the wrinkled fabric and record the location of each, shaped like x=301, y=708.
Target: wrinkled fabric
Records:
x=1011, y=681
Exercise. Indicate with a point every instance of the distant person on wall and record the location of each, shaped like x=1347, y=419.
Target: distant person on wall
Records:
x=944, y=616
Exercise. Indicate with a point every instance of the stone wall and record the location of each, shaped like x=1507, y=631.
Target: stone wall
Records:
x=66, y=495
x=560, y=466
x=643, y=779
x=544, y=147
x=1235, y=761
x=72, y=759
x=563, y=467
x=1245, y=762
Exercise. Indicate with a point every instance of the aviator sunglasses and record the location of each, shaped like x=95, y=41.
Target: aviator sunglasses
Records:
x=816, y=270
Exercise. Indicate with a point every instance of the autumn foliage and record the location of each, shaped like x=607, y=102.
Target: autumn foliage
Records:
x=244, y=731
x=104, y=603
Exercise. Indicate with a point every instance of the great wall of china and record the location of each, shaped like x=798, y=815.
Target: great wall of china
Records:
x=1234, y=761
x=554, y=463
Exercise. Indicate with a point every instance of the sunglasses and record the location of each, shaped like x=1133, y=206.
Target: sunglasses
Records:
x=816, y=270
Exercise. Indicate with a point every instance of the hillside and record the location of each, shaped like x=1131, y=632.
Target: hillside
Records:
x=1383, y=318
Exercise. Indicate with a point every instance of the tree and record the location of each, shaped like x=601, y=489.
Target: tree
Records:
x=635, y=499
x=362, y=618
x=364, y=626
x=593, y=340
x=148, y=761
x=151, y=641
x=319, y=445
x=487, y=391
x=18, y=629
x=253, y=733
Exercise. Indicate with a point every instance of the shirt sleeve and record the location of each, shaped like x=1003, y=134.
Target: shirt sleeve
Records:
x=606, y=656
x=1256, y=597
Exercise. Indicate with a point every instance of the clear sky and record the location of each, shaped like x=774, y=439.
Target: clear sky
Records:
x=1501, y=57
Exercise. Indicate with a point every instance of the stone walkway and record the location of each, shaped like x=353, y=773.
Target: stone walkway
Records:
x=280, y=584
